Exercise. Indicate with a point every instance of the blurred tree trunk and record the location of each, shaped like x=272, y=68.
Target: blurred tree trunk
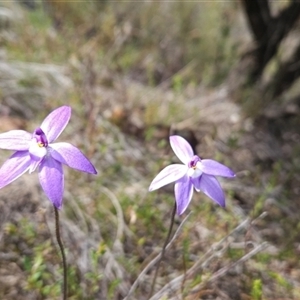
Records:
x=258, y=14
x=268, y=32
x=286, y=75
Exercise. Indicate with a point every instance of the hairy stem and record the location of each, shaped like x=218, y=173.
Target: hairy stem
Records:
x=163, y=250
x=61, y=247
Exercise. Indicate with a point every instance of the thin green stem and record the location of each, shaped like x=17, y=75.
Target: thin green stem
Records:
x=163, y=250
x=61, y=247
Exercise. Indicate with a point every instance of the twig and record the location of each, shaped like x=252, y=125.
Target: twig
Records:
x=154, y=260
x=212, y=252
x=176, y=283
x=61, y=247
x=220, y=273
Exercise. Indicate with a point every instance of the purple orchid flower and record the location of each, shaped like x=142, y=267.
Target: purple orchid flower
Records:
x=195, y=172
x=37, y=150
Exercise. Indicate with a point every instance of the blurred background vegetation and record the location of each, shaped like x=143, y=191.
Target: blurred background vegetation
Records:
x=222, y=74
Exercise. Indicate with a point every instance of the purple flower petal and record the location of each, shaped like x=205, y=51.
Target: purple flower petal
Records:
x=14, y=167
x=181, y=148
x=56, y=122
x=169, y=174
x=210, y=186
x=52, y=180
x=17, y=140
x=196, y=183
x=183, y=194
x=212, y=167
x=72, y=157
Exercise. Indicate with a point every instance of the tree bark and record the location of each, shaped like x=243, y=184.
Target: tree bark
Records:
x=286, y=75
x=259, y=16
x=268, y=31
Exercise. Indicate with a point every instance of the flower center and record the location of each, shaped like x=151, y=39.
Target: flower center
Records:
x=40, y=137
x=195, y=167
x=38, y=148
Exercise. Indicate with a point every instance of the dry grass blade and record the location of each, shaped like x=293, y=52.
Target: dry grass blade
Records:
x=117, y=245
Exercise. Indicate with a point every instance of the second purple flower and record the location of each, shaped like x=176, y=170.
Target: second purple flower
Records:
x=194, y=173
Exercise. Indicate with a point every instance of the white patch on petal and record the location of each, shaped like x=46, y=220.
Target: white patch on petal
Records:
x=37, y=150
x=37, y=153
x=199, y=166
x=194, y=173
